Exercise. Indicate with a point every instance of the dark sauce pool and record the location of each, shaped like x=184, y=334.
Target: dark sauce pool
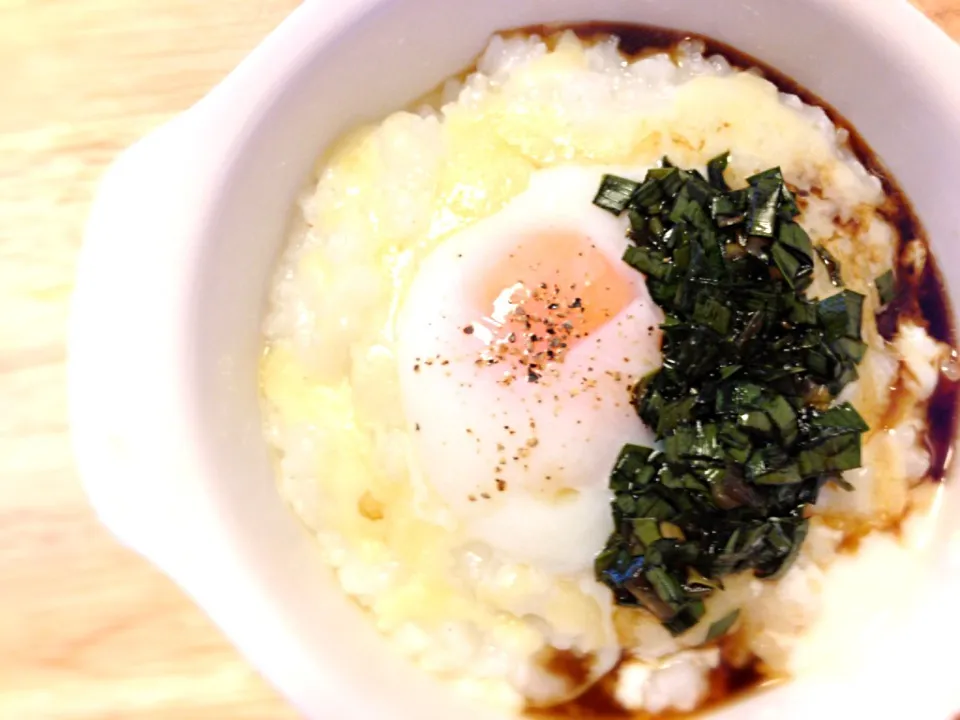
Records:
x=921, y=296
x=726, y=683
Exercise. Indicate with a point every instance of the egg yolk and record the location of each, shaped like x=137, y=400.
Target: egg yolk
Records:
x=539, y=300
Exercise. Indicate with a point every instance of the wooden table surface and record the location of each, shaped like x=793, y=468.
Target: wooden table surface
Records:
x=88, y=630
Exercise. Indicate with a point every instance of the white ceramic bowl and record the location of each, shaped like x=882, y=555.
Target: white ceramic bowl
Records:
x=179, y=250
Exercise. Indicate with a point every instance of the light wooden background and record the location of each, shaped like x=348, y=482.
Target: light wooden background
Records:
x=88, y=630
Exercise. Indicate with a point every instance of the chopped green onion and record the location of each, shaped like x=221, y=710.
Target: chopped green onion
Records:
x=722, y=626
x=646, y=530
x=832, y=265
x=741, y=404
x=765, y=196
x=796, y=238
x=840, y=419
x=715, y=170
x=886, y=287
x=647, y=261
x=615, y=193
x=711, y=313
x=648, y=194
x=841, y=314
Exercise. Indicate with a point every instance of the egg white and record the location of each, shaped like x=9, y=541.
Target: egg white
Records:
x=554, y=441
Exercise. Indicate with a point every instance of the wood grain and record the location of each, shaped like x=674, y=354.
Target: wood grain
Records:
x=88, y=631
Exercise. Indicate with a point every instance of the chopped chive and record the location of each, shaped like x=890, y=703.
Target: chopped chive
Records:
x=886, y=287
x=615, y=193
x=841, y=314
x=722, y=626
x=741, y=405
x=796, y=238
x=715, y=170
x=713, y=314
x=648, y=194
x=765, y=195
x=649, y=262
x=832, y=265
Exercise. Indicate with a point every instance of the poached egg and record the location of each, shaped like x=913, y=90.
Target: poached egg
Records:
x=519, y=341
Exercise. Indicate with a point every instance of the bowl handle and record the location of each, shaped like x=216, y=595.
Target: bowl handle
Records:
x=123, y=342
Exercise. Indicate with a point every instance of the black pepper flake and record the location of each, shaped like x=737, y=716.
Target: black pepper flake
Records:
x=468, y=330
